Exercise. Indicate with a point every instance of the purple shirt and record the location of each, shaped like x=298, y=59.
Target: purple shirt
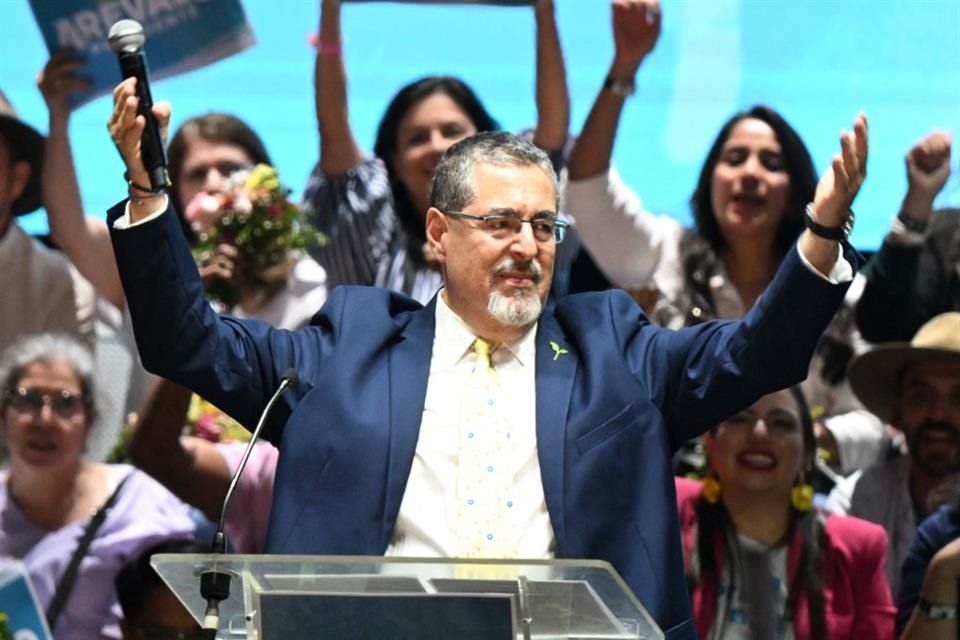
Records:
x=145, y=514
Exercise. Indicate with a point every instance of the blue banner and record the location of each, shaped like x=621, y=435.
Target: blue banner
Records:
x=24, y=617
x=181, y=36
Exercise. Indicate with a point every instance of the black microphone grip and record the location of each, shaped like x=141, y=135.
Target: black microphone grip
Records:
x=133, y=64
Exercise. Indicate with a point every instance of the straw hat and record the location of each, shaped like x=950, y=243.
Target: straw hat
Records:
x=875, y=375
x=25, y=144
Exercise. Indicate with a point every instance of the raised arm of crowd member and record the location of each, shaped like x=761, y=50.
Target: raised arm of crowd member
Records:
x=748, y=205
x=913, y=276
x=199, y=471
x=191, y=468
x=368, y=466
x=552, y=93
x=933, y=615
x=85, y=240
x=339, y=151
x=372, y=207
x=41, y=289
x=636, y=29
x=927, y=598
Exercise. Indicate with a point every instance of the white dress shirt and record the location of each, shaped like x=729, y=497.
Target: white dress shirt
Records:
x=425, y=525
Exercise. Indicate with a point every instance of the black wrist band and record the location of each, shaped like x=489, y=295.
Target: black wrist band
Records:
x=830, y=233
x=140, y=187
x=913, y=224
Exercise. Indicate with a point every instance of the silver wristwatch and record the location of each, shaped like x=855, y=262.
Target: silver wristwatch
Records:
x=622, y=88
x=937, y=611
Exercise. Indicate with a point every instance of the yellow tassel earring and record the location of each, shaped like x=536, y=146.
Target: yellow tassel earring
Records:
x=801, y=496
x=711, y=489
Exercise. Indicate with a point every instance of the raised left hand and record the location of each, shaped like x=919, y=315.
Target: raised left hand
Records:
x=840, y=183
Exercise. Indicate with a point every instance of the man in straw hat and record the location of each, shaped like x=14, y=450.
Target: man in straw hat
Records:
x=40, y=291
x=914, y=387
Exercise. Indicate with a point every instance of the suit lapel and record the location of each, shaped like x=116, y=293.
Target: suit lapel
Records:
x=409, y=368
x=556, y=367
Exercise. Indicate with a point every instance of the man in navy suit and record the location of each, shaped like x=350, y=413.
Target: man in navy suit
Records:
x=590, y=399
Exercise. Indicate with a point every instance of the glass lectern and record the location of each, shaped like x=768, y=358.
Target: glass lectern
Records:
x=277, y=597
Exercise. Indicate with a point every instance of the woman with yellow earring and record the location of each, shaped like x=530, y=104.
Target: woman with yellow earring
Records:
x=761, y=561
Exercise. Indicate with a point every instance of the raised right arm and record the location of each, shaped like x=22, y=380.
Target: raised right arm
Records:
x=627, y=242
x=234, y=364
x=338, y=148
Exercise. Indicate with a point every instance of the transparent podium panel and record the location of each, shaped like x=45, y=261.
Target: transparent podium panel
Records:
x=274, y=597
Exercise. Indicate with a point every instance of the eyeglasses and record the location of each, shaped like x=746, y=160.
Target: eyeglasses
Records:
x=503, y=226
x=65, y=404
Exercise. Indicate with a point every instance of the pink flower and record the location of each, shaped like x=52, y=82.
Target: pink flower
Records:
x=203, y=210
x=207, y=428
x=241, y=204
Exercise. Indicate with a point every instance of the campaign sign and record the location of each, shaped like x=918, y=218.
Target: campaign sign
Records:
x=181, y=35
x=18, y=604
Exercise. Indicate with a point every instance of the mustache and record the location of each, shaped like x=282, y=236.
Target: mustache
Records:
x=940, y=427
x=510, y=265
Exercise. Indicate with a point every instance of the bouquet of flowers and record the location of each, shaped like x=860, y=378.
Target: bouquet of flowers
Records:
x=206, y=421
x=254, y=214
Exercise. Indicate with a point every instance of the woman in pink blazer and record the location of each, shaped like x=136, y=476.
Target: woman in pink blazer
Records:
x=761, y=561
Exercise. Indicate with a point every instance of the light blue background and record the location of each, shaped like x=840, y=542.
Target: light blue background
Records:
x=817, y=61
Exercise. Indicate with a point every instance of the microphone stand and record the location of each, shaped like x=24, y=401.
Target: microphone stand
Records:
x=214, y=582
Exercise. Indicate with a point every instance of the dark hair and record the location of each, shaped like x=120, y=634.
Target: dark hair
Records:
x=386, y=143
x=714, y=520
x=799, y=167
x=138, y=579
x=453, y=187
x=213, y=127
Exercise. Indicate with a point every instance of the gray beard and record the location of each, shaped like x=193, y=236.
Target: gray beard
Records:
x=518, y=310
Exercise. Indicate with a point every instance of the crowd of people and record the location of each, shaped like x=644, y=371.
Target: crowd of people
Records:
x=756, y=427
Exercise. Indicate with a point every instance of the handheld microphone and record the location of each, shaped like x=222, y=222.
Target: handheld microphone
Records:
x=126, y=38
x=215, y=583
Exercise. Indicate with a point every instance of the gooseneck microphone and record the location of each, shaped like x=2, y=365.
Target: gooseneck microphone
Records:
x=126, y=38
x=215, y=583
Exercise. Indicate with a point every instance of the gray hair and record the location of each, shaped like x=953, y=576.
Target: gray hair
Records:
x=48, y=348
x=453, y=187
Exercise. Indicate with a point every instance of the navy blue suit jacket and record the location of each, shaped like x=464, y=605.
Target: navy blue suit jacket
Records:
x=609, y=412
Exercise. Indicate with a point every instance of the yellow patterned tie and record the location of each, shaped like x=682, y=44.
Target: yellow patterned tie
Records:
x=484, y=476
